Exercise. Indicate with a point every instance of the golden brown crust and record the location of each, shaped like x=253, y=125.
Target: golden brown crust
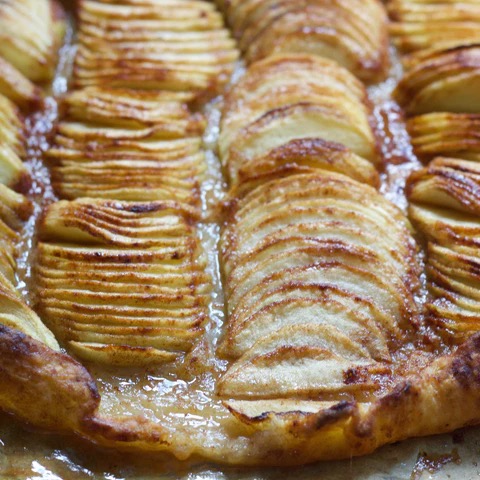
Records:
x=32, y=374
x=63, y=393
x=441, y=397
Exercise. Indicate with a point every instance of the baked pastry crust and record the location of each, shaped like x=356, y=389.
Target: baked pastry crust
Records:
x=326, y=353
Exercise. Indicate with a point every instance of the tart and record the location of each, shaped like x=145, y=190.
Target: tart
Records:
x=327, y=322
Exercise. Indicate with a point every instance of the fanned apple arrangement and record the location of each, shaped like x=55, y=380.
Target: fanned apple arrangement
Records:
x=332, y=346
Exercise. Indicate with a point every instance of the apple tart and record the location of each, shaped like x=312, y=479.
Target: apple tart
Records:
x=302, y=105
x=351, y=32
x=327, y=351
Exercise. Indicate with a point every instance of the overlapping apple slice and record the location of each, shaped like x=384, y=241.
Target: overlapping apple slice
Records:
x=445, y=207
x=175, y=45
x=14, y=312
x=140, y=292
x=352, y=33
x=30, y=32
x=425, y=26
x=446, y=134
x=320, y=275
x=16, y=87
x=12, y=147
x=293, y=97
x=442, y=81
x=128, y=145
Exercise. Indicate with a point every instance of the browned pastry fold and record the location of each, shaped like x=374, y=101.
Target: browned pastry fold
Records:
x=140, y=292
x=297, y=112
x=30, y=33
x=128, y=145
x=440, y=397
x=442, y=81
x=175, y=45
x=446, y=134
x=420, y=26
x=445, y=206
x=351, y=32
x=65, y=396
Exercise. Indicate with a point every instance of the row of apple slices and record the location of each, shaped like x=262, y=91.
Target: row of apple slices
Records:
x=127, y=145
x=289, y=98
x=353, y=33
x=320, y=254
x=174, y=45
x=139, y=294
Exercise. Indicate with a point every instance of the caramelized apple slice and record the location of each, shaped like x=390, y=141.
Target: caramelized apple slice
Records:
x=303, y=360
